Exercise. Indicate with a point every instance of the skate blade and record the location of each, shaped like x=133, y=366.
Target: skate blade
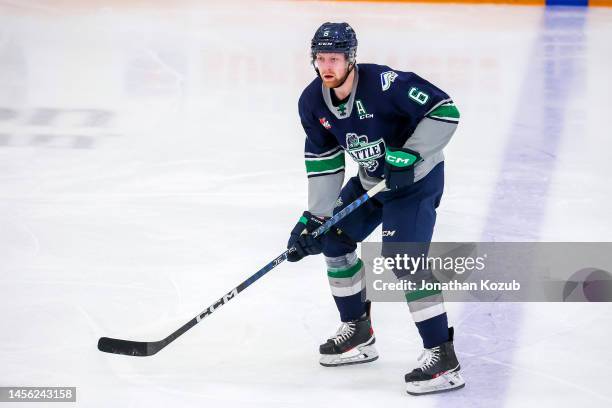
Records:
x=357, y=355
x=443, y=383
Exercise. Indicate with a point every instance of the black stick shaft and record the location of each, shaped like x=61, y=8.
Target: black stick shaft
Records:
x=135, y=348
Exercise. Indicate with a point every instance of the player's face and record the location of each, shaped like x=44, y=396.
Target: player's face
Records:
x=332, y=67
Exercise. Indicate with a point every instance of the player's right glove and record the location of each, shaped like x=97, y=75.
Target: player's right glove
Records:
x=304, y=243
x=399, y=167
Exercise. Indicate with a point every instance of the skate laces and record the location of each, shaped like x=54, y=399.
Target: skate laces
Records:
x=345, y=331
x=429, y=357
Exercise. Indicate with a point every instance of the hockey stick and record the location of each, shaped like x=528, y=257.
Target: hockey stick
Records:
x=148, y=348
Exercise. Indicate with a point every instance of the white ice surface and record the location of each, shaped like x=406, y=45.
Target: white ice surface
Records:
x=186, y=179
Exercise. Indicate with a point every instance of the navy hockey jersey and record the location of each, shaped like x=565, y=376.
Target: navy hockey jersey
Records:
x=386, y=107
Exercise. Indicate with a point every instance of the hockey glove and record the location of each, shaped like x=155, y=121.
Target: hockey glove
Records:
x=399, y=167
x=304, y=243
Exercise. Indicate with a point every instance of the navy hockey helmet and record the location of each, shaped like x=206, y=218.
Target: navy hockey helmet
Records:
x=335, y=37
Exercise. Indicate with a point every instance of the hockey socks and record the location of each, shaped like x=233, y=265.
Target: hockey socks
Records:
x=347, y=282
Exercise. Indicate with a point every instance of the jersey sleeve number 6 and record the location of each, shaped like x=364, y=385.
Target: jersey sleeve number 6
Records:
x=418, y=96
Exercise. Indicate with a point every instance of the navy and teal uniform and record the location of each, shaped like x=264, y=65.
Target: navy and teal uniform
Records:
x=386, y=108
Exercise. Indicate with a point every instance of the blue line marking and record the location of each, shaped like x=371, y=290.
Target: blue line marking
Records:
x=571, y=3
x=519, y=202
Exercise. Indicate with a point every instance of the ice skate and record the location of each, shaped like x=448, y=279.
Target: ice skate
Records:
x=353, y=343
x=438, y=372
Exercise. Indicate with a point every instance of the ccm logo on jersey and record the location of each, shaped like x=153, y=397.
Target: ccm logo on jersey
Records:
x=386, y=79
x=361, y=110
x=388, y=233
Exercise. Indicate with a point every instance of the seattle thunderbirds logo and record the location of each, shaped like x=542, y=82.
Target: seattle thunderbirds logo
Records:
x=363, y=152
x=386, y=79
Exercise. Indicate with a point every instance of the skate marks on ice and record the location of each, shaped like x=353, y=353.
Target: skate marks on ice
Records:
x=539, y=365
x=55, y=128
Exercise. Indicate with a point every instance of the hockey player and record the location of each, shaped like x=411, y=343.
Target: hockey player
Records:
x=394, y=124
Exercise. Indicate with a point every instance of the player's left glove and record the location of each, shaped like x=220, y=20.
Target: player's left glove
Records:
x=399, y=167
x=304, y=243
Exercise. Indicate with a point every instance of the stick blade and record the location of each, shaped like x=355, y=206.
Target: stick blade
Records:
x=127, y=347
